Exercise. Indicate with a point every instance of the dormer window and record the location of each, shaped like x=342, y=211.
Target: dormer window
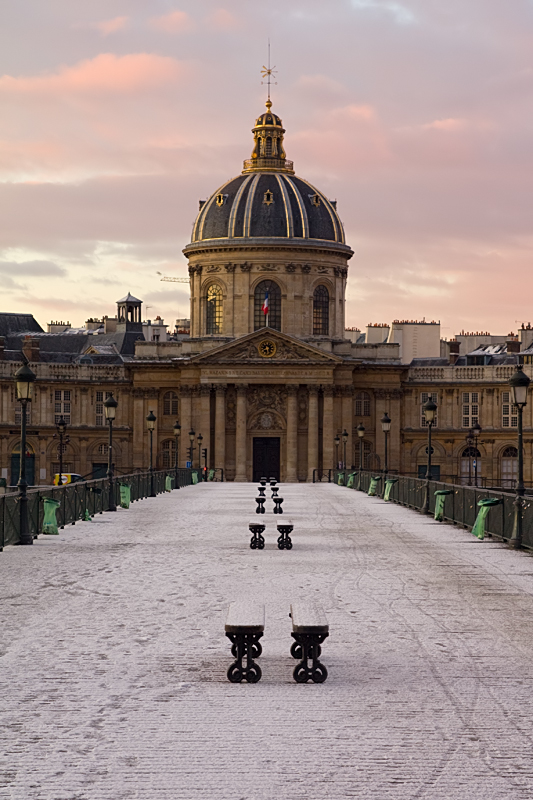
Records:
x=315, y=199
x=268, y=199
x=221, y=199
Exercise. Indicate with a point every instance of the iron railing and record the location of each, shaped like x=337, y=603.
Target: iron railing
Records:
x=77, y=498
x=460, y=507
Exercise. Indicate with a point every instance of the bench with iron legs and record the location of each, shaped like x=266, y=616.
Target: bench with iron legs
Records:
x=275, y=490
x=284, y=539
x=263, y=481
x=260, y=505
x=277, y=505
x=245, y=624
x=272, y=481
x=309, y=630
x=257, y=542
x=261, y=490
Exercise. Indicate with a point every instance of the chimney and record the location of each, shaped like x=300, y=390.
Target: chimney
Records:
x=513, y=345
x=453, y=351
x=30, y=348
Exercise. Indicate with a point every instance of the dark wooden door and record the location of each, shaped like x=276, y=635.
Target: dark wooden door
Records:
x=266, y=457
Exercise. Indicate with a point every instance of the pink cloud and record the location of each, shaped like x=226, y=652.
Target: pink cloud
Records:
x=224, y=19
x=446, y=125
x=175, y=22
x=109, y=26
x=104, y=73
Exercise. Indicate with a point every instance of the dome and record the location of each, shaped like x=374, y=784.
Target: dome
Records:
x=268, y=200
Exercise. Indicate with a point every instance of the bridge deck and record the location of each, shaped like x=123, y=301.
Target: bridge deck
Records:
x=114, y=656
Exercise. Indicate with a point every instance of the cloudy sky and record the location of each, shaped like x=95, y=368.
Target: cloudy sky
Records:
x=416, y=115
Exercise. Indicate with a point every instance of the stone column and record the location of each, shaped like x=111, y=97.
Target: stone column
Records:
x=347, y=423
x=220, y=427
x=228, y=324
x=292, y=435
x=312, y=433
x=240, y=443
x=84, y=405
x=185, y=422
x=204, y=424
x=327, y=429
x=139, y=433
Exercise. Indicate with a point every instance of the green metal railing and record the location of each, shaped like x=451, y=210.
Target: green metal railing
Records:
x=77, y=498
x=460, y=506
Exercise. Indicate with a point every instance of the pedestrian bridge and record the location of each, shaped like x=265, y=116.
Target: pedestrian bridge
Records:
x=115, y=659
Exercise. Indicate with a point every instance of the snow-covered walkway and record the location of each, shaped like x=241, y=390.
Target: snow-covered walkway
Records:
x=114, y=657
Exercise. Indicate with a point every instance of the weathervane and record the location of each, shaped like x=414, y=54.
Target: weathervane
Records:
x=268, y=73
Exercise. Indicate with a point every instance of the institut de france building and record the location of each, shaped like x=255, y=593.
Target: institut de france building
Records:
x=269, y=392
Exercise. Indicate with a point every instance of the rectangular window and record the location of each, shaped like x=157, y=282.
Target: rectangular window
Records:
x=62, y=405
x=424, y=397
x=18, y=414
x=470, y=409
x=509, y=412
x=99, y=407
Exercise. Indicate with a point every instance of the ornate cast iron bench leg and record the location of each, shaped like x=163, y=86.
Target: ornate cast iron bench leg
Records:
x=284, y=539
x=257, y=542
x=307, y=647
x=260, y=505
x=245, y=645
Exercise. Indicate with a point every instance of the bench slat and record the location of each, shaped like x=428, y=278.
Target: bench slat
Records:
x=245, y=615
x=308, y=618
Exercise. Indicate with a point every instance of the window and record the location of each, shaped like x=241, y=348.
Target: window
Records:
x=509, y=467
x=320, y=311
x=268, y=198
x=170, y=404
x=99, y=407
x=367, y=451
x=169, y=453
x=274, y=305
x=509, y=412
x=67, y=468
x=62, y=405
x=18, y=413
x=424, y=397
x=213, y=305
x=470, y=409
x=103, y=449
x=470, y=466
x=362, y=404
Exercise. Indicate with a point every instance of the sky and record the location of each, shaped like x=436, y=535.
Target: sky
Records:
x=415, y=115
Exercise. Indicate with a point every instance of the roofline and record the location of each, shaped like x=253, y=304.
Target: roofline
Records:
x=272, y=242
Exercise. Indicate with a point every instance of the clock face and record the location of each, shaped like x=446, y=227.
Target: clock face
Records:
x=267, y=348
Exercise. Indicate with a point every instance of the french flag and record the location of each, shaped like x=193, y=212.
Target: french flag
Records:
x=265, y=304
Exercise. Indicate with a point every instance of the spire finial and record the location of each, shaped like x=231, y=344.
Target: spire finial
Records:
x=268, y=73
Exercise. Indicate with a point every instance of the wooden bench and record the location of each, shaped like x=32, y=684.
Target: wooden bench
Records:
x=284, y=538
x=245, y=624
x=309, y=629
x=257, y=542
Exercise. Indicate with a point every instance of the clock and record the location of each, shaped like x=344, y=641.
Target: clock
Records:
x=267, y=348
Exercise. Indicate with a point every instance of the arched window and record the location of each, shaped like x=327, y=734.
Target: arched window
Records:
x=103, y=449
x=170, y=404
x=320, y=311
x=362, y=404
x=274, y=305
x=213, y=310
x=509, y=467
x=268, y=149
x=169, y=453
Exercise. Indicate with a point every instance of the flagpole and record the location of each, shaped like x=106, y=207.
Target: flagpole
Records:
x=267, y=319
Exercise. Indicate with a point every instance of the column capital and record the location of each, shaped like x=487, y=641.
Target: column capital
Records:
x=205, y=389
x=328, y=391
x=312, y=389
x=221, y=389
x=242, y=389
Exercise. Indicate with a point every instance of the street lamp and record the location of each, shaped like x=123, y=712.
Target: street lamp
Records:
x=430, y=412
x=24, y=379
x=191, y=451
x=337, y=443
x=344, y=441
x=200, y=440
x=519, y=384
x=361, y=434
x=177, y=430
x=385, y=427
x=150, y=424
x=470, y=446
x=476, y=430
x=110, y=410
x=61, y=429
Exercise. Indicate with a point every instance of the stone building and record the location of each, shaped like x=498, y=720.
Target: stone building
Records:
x=268, y=392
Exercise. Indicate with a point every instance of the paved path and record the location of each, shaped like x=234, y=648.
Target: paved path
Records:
x=114, y=658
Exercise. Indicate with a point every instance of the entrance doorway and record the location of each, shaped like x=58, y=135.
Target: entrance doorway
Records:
x=266, y=457
x=30, y=465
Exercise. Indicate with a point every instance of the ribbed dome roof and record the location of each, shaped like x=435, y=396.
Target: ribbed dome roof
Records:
x=268, y=204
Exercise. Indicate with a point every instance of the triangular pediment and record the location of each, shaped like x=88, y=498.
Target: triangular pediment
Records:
x=266, y=346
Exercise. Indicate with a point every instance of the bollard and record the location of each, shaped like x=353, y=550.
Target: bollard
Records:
x=260, y=505
x=275, y=490
x=277, y=507
x=257, y=542
x=284, y=539
x=50, y=520
x=261, y=490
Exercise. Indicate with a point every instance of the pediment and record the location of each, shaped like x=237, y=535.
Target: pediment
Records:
x=247, y=349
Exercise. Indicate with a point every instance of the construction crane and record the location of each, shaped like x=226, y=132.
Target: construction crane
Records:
x=175, y=280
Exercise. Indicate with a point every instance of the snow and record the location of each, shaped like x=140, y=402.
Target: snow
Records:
x=114, y=656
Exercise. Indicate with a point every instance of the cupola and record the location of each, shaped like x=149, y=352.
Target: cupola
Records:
x=268, y=153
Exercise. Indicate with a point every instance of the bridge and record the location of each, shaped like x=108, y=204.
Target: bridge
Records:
x=114, y=657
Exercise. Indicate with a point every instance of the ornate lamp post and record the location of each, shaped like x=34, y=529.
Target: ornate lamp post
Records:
x=337, y=443
x=476, y=430
x=61, y=430
x=24, y=379
x=150, y=424
x=430, y=412
x=200, y=440
x=344, y=441
x=385, y=427
x=519, y=384
x=470, y=446
x=177, y=431
x=110, y=410
x=361, y=435
x=191, y=446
